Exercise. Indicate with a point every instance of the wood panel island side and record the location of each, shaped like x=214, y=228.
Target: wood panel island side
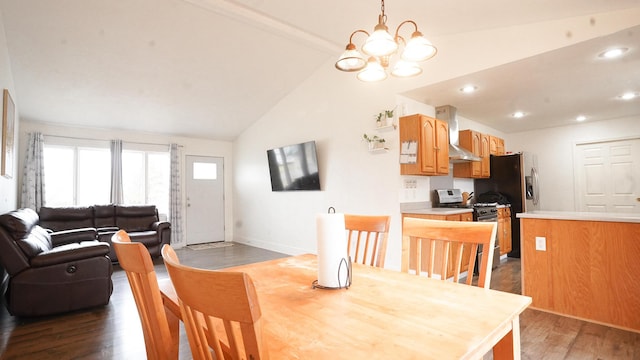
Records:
x=584, y=265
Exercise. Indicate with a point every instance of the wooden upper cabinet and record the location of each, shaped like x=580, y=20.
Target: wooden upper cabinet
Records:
x=478, y=144
x=496, y=145
x=432, y=138
x=485, y=154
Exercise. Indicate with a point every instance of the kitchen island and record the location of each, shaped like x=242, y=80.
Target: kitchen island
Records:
x=584, y=265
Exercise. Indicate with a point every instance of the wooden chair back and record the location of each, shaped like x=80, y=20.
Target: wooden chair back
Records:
x=445, y=243
x=160, y=342
x=367, y=238
x=217, y=305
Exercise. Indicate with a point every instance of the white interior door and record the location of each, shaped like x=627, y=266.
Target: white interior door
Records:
x=608, y=176
x=205, y=199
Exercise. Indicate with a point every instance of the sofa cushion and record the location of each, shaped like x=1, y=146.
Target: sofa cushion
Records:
x=71, y=252
x=19, y=222
x=36, y=242
x=104, y=216
x=136, y=218
x=65, y=218
x=148, y=238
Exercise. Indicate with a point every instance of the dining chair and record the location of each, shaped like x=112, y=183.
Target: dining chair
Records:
x=367, y=238
x=219, y=305
x=159, y=325
x=439, y=237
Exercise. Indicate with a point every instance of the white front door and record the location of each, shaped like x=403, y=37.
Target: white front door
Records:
x=608, y=176
x=205, y=199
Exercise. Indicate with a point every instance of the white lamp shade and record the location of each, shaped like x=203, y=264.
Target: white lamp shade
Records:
x=406, y=69
x=380, y=43
x=372, y=72
x=351, y=60
x=418, y=48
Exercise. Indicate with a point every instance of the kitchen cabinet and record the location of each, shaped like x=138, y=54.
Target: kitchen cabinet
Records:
x=467, y=216
x=496, y=146
x=479, y=145
x=504, y=230
x=485, y=155
x=432, y=139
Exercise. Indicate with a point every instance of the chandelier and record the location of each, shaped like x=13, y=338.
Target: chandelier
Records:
x=380, y=46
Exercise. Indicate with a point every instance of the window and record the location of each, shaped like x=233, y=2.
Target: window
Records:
x=81, y=175
x=145, y=178
x=205, y=171
x=59, y=165
x=76, y=175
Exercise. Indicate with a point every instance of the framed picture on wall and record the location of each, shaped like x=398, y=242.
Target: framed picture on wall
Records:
x=8, y=125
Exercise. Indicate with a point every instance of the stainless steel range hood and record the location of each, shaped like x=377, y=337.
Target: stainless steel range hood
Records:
x=456, y=153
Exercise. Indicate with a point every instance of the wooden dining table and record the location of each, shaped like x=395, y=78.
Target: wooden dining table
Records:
x=384, y=314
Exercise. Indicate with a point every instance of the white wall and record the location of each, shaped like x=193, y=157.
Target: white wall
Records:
x=8, y=187
x=335, y=109
x=554, y=149
x=190, y=146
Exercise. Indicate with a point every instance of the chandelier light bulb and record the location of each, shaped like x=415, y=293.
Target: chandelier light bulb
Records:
x=372, y=72
x=351, y=60
x=418, y=48
x=405, y=68
x=380, y=43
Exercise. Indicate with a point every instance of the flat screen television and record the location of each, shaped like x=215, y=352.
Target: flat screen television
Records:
x=294, y=167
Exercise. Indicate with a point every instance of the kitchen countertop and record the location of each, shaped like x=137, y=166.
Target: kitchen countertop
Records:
x=578, y=215
x=439, y=211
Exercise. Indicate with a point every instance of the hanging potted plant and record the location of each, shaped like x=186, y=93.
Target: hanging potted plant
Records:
x=379, y=119
x=389, y=116
x=375, y=142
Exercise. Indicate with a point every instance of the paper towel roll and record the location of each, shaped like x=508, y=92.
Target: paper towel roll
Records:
x=333, y=262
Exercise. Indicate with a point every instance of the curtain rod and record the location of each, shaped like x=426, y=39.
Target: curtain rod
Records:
x=129, y=142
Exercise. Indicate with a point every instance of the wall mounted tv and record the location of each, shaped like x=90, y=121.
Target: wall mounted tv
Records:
x=294, y=167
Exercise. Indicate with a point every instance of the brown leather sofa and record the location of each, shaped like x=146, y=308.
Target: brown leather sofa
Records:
x=140, y=221
x=51, y=272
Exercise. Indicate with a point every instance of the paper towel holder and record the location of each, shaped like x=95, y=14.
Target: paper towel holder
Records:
x=345, y=264
x=348, y=265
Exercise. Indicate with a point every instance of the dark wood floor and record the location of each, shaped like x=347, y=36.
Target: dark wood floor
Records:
x=113, y=331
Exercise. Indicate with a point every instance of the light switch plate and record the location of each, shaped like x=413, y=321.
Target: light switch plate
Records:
x=541, y=243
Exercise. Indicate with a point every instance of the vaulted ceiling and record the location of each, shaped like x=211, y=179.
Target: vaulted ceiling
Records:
x=211, y=68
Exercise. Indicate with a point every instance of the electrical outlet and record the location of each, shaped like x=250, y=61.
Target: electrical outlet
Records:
x=410, y=183
x=541, y=243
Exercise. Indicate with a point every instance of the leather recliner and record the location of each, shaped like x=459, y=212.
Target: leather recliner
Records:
x=52, y=272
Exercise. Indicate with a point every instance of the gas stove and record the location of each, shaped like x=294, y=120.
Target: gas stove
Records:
x=485, y=212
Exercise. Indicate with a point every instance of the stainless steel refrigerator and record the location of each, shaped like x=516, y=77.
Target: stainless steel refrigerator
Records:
x=514, y=176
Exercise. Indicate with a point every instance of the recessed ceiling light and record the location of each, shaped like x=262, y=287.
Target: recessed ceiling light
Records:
x=613, y=53
x=467, y=89
x=628, y=96
x=581, y=118
x=518, y=114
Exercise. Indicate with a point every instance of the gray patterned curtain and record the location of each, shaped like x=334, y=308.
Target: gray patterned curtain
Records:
x=116, y=172
x=32, y=193
x=175, y=195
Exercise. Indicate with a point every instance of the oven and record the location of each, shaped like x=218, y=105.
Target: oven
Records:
x=452, y=198
x=487, y=212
